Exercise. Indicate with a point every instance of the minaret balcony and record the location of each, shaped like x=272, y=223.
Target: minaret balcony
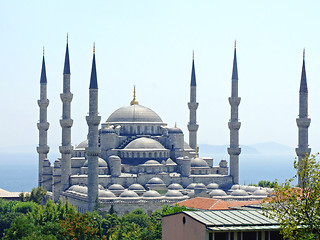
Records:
x=43, y=126
x=65, y=149
x=193, y=105
x=93, y=151
x=43, y=103
x=66, y=97
x=44, y=149
x=192, y=127
x=93, y=120
x=301, y=151
x=234, y=151
x=303, y=122
x=66, y=123
x=234, y=101
x=234, y=125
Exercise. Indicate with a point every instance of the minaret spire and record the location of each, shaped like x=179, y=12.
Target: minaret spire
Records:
x=43, y=124
x=234, y=125
x=303, y=122
x=134, y=100
x=193, y=106
x=66, y=123
x=93, y=150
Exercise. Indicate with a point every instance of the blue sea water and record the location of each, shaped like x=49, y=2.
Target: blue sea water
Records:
x=19, y=172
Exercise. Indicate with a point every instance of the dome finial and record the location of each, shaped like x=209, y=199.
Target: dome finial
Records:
x=94, y=48
x=235, y=43
x=197, y=154
x=134, y=101
x=304, y=53
x=43, y=51
x=192, y=54
x=67, y=37
x=175, y=125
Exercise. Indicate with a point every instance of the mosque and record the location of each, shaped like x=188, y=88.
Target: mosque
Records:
x=134, y=159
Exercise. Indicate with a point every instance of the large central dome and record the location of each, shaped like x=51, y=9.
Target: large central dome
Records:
x=134, y=113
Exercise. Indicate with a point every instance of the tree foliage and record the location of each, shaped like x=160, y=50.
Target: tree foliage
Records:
x=37, y=195
x=297, y=209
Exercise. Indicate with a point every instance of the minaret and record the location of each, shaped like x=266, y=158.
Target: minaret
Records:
x=303, y=122
x=93, y=150
x=66, y=124
x=234, y=125
x=193, y=105
x=43, y=124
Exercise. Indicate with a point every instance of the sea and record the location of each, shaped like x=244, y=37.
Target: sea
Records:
x=268, y=161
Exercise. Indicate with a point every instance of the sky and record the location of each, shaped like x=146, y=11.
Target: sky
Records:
x=149, y=44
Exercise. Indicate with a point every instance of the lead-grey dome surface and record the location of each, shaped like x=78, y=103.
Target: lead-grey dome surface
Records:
x=198, y=162
x=128, y=193
x=239, y=193
x=134, y=113
x=217, y=192
x=83, y=144
x=136, y=186
x=151, y=193
x=101, y=163
x=116, y=186
x=175, y=186
x=173, y=193
x=106, y=194
x=212, y=186
x=144, y=143
x=155, y=180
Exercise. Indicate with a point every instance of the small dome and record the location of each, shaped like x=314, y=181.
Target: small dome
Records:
x=152, y=162
x=260, y=192
x=134, y=113
x=83, y=144
x=174, y=130
x=144, y=143
x=217, y=193
x=199, y=163
x=106, y=194
x=191, y=186
x=116, y=187
x=235, y=187
x=251, y=188
x=136, y=187
x=101, y=163
x=200, y=186
x=212, y=186
x=151, y=194
x=155, y=180
x=128, y=194
x=175, y=186
x=173, y=193
x=239, y=193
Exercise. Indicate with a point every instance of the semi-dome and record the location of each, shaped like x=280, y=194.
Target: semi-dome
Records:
x=106, y=194
x=155, y=181
x=217, y=193
x=101, y=163
x=239, y=193
x=83, y=144
x=134, y=113
x=151, y=193
x=173, y=193
x=174, y=130
x=144, y=143
x=212, y=186
x=136, y=187
x=199, y=163
x=128, y=194
x=175, y=186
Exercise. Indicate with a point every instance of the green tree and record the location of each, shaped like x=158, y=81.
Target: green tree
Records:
x=37, y=195
x=298, y=209
x=166, y=210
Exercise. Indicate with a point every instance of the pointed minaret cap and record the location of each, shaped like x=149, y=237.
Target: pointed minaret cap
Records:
x=303, y=82
x=235, y=67
x=66, y=69
x=43, y=77
x=134, y=100
x=93, y=79
x=193, y=73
